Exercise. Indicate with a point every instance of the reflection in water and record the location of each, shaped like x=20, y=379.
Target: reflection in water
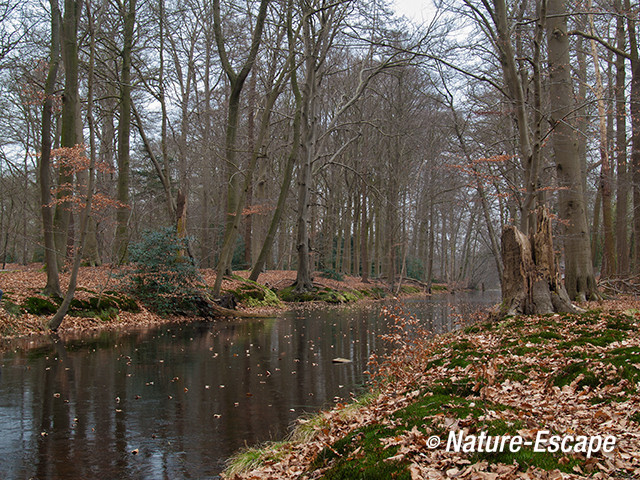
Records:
x=175, y=402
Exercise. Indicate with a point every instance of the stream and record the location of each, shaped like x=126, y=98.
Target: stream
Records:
x=174, y=402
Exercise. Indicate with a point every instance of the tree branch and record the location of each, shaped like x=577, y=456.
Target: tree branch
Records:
x=602, y=42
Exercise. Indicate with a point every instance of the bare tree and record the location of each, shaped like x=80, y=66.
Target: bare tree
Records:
x=622, y=193
x=55, y=322
x=70, y=125
x=579, y=279
x=128, y=13
x=236, y=84
x=53, y=283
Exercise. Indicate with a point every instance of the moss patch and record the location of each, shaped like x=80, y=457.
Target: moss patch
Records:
x=597, y=339
x=542, y=336
x=103, y=307
x=325, y=294
x=123, y=301
x=40, y=306
x=410, y=289
x=367, y=452
x=253, y=294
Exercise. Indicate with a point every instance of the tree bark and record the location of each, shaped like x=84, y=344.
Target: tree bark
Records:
x=579, y=279
x=365, y=265
x=303, y=276
x=315, y=55
x=622, y=193
x=609, y=260
x=634, y=105
x=53, y=282
x=124, y=131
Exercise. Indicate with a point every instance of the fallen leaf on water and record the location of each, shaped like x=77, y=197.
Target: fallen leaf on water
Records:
x=341, y=360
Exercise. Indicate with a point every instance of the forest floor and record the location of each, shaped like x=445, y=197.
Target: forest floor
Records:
x=522, y=378
x=101, y=304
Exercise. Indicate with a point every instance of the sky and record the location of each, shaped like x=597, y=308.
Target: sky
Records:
x=415, y=10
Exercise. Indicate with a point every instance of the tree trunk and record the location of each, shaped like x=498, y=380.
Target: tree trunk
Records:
x=91, y=256
x=70, y=106
x=282, y=200
x=309, y=145
x=634, y=105
x=579, y=279
x=609, y=260
x=251, y=148
x=55, y=322
x=124, y=130
x=516, y=90
x=181, y=216
x=234, y=193
x=530, y=282
x=364, y=237
x=53, y=283
x=303, y=276
x=257, y=152
x=622, y=193
x=595, y=229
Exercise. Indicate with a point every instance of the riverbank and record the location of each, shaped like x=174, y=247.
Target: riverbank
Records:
x=527, y=378
x=100, y=303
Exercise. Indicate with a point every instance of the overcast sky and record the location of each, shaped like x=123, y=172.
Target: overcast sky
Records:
x=416, y=10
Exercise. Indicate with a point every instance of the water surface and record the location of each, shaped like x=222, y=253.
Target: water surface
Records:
x=174, y=402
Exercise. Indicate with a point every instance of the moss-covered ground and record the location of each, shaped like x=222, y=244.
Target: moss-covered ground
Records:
x=104, y=307
x=252, y=294
x=101, y=304
x=571, y=374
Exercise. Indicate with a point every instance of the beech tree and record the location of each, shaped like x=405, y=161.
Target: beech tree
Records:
x=71, y=126
x=579, y=278
x=233, y=175
x=634, y=106
x=622, y=187
x=292, y=156
x=501, y=32
x=128, y=13
x=53, y=283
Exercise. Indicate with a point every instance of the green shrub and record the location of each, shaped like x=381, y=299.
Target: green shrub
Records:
x=162, y=277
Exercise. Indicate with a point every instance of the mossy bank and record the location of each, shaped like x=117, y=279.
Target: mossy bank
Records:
x=111, y=297
x=565, y=374
x=283, y=293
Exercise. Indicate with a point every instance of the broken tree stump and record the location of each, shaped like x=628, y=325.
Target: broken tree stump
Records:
x=531, y=284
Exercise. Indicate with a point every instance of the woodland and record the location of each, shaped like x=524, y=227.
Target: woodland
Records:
x=317, y=135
